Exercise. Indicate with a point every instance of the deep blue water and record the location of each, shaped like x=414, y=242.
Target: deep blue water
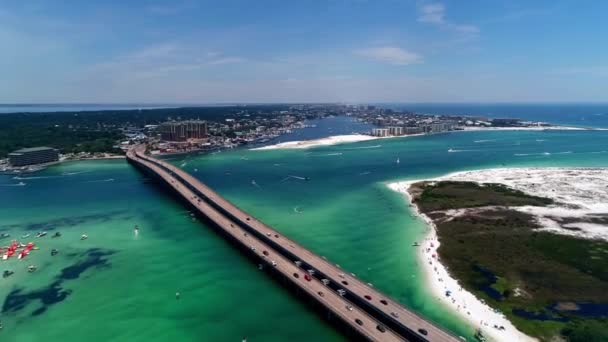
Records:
x=583, y=115
x=325, y=128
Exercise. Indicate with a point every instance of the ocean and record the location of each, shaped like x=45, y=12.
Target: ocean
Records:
x=122, y=287
x=575, y=114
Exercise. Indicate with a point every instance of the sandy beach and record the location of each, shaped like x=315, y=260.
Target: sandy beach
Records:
x=352, y=138
x=337, y=139
x=580, y=194
x=529, y=128
x=480, y=315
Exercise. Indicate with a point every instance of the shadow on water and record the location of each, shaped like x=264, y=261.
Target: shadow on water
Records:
x=54, y=293
x=65, y=222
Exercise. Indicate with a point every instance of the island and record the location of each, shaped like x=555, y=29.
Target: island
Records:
x=520, y=253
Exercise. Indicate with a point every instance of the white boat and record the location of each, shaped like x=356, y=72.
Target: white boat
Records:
x=397, y=161
x=450, y=150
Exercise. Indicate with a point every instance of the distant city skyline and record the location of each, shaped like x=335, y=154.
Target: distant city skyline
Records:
x=198, y=52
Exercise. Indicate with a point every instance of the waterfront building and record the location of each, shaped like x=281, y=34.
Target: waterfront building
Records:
x=33, y=156
x=395, y=130
x=183, y=130
x=380, y=132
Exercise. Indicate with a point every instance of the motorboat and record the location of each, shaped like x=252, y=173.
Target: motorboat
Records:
x=40, y=234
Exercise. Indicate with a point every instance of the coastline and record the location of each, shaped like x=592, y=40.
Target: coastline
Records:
x=352, y=138
x=462, y=302
x=579, y=194
x=328, y=141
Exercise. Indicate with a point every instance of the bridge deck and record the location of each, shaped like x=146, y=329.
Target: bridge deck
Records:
x=368, y=304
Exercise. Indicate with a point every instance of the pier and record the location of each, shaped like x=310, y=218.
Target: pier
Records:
x=358, y=308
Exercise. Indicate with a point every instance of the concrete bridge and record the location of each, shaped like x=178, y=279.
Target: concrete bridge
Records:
x=358, y=309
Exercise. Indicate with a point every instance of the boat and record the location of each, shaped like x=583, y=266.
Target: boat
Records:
x=397, y=161
x=11, y=250
x=451, y=150
x=415, y=244
x=28, y=248
x=26, y=236
x=40, y=234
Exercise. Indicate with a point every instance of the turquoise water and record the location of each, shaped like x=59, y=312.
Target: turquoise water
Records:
x=115, y=286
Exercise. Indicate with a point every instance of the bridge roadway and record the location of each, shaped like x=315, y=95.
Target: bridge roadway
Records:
x=314, y=288
x=365, y=299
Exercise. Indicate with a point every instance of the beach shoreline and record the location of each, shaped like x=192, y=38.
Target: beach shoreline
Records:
x=353, y=138
x=467, y=306
x=578, y=193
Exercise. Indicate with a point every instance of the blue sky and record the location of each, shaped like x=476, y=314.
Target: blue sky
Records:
x=191, y=51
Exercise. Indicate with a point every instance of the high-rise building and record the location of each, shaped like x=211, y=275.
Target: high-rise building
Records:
x=183, y=130
x=380, y=132
x=33, y=156
x=395, y=130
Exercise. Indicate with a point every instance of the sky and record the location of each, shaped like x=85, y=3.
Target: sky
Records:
x=226, y=51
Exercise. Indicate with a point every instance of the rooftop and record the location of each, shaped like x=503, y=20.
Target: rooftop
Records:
x=33, y=149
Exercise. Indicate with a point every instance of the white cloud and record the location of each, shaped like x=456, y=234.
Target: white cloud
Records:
x=390, y=54
x=435, y=14
x=159, y=60
x=432, y=13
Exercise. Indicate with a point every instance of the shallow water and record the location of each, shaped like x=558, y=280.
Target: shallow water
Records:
x=119, y=286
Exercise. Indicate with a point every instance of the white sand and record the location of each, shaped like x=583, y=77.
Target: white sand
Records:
x=333, y=140
x=351, y=138
x=337, y=139
x=480, y=315
x=581, y=192
x=529, y=128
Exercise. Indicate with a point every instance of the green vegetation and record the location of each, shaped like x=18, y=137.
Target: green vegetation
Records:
x=454, y=195
x=98, y=131
x=497, y=254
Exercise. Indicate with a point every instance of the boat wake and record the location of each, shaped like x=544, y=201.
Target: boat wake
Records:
x=483, y=141
x=17, y=184
x=361, y=148
x=293, y=177
x=327, y=155
x=541, y=153
x=458, y=151
x=74, y=173
x=34, y=177
x=101, y=180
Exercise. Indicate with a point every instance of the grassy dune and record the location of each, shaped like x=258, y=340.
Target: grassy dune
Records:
x=538, y=279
